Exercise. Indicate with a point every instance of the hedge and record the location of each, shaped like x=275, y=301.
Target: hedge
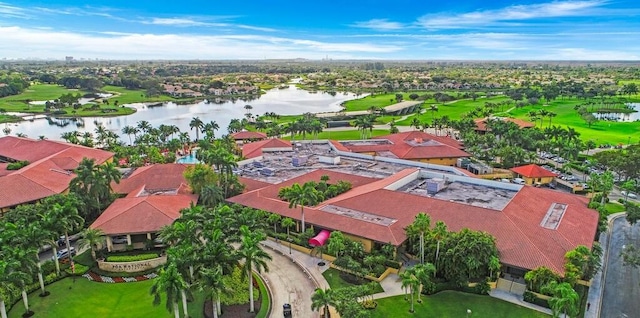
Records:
x=532, y=298
x=131, y=258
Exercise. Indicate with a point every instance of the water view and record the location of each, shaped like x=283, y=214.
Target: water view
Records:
x=622, y=117
x=282, y=101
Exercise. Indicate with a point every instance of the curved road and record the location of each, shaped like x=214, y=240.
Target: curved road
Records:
x=621, y=283
x=289, y=284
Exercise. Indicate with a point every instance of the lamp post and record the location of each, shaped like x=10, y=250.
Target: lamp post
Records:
x=468, y=313
x=289, y=239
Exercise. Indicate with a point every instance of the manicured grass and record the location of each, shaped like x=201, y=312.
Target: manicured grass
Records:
x=127, y=96
x=84, y=298
x=37, y=92
x=378, y=100
x=265, y=300
x=614, y=208
x=334, y=280
x=452, y=304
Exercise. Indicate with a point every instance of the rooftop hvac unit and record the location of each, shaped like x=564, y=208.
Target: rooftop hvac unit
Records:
x=435, y=185
x=258, y=164
x=329, y=160
x=299, y=161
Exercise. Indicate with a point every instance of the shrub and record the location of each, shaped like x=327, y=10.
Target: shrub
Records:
x=369, y=304
x=532, y=298
x=17, y=165
x=392, y=264
x=482, y=288
x=131, y=258
x=80, y=269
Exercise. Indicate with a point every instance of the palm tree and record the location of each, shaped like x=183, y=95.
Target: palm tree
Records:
x=69, y=219
x=300, y=196
x=439, y=232
x=211, y=195
x=322, y=298
x=420, y=225
x=274, y=219
x=409, y=282
x=171, y=283
x=415, y=122
x=33, y=238
x=197, y=124
x=91, y=238
x=9, y=277
x=130, y=130
x=253, y=255
x=423, y=272
x=25, y=271
x=211, y=283
x=144, y=126
x=287, y=223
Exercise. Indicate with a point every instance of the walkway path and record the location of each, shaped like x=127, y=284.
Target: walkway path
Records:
x=517, y=299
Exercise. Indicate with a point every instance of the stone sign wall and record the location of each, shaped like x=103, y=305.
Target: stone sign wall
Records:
x=132, y=267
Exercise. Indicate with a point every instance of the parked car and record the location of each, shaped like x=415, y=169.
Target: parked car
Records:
x=64, y=253
x=519, y=181
x=286, y=309
x=121, y=239
x=629, y=194
x=62, y=241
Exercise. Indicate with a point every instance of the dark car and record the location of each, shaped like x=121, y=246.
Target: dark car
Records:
x=62, y=241
x=286, y=309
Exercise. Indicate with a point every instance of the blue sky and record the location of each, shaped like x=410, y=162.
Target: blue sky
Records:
x=374, y=29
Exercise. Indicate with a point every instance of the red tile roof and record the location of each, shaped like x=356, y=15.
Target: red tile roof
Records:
x=413, y=145
x=481, y=123
x=247, y=135
x=254, y=149
x=49, y=171
x=521, y=240
x=533, y=171
x=137, y=215
x=153, y=178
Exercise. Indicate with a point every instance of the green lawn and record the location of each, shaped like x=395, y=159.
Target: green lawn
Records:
x=614, y=208
x=38, y=92
x=127, y=96
x=452, y=304
x=83, y=298
x=334, y=280
x=339, y=135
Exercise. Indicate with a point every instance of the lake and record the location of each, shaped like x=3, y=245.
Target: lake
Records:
x=283, y=101
x=621, y=117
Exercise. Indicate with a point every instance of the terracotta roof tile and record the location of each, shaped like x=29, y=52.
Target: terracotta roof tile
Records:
x=521, y=240
x=533, y=171
x=153, y=177
x=136, y=215
x=481, y=123
x=254, y=149
x=245, y=135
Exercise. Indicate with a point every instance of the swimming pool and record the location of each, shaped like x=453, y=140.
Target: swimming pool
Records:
x=189, y=159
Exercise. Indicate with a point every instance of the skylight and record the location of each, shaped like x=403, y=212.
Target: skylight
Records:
x=554, y=215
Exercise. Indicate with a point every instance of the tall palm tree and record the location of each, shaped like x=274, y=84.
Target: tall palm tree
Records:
x=170, y=282
x=322, y=298
x=130, y=130
x=300, y=196
x=211, y=283
x=144, y=126
x=69, y=219
x=439, y=232
x=196, y=123
x=33, y=238
x=420, y=226
x=287, y=223
x=211, y=195
x=9, y=277
x=423, y=272
x=274, y=219
x=254, y=257
x=91, y=238
x=409, y=282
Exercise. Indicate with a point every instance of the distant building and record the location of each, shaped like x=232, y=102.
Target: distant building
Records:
x=534, y=174
x=481, y=124
x=68, y=59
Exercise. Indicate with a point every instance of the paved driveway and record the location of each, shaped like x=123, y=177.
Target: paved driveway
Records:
x=622, y=283
x=289, y=284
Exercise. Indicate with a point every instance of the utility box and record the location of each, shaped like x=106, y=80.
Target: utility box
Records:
x=299, y=161
x=332, y=160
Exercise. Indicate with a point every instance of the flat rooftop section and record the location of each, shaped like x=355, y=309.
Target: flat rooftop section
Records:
x=466, y=193
x=363, y=216
x=366, y=142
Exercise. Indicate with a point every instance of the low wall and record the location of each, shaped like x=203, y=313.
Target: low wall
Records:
x=132, y=267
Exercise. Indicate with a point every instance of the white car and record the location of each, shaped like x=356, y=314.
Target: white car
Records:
x=122, y=239
x=629, y=194
x=62, y=254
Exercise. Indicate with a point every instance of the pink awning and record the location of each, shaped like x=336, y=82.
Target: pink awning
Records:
x=320, y=239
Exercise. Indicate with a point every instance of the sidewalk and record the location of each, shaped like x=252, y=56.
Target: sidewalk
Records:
x=517, y=299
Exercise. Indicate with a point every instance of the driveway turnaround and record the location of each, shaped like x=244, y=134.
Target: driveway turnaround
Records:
x=621, y=283
x=289, y=283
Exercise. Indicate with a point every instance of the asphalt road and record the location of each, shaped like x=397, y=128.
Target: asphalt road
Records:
x=621, y=283
x=289, y=284
x=46, y=255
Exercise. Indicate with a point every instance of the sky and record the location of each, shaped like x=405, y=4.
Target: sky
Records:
x=353, y=29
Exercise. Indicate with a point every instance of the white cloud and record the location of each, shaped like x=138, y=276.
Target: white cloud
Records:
x=176, y=22
x=379, y=24
x=10, y=11
x=510, y=14
x=114, y=45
